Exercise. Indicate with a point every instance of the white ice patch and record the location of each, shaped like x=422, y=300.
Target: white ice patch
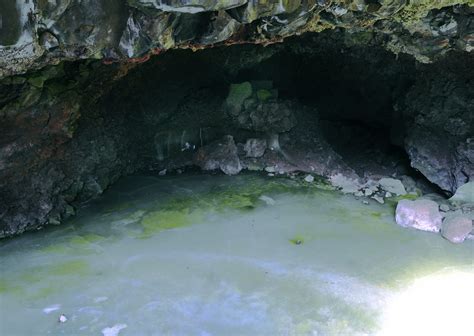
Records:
x=436, y=305
x=52, y=308
x=268, y=200
x=101, y=299
x=113, y=331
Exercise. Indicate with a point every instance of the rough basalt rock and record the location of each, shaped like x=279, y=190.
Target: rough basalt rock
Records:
x=37, y=33
x=221, y=154
x=440, y=130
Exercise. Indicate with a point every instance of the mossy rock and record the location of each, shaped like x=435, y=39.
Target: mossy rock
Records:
x=237, y=94
x=263, y=95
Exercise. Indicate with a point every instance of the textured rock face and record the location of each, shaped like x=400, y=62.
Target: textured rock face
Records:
x=221, y=155
x=440, y=139
x=255, y=106
x=36, y=33
x=255, y=148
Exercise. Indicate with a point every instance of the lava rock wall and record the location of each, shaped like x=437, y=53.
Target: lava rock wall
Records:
x=37, y=32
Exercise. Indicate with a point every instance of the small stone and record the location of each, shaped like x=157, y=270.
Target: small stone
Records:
x=309, y=178
x=359, y=194
x=270, y=169
x=368, y=192
x=346, y=184
x=419, y=214
x=444, y=207
x=365, y=202
x=393, y=186
x=456, y=228
x=62, y=318
x=271, y=174
x=388, y=194
x=378, y=199
x=162, y=172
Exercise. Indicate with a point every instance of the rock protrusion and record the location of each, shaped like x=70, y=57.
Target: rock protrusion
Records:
x=392, y=186
x=255, y=106
x=464, y=194
x=221, y=154
x=255, y=148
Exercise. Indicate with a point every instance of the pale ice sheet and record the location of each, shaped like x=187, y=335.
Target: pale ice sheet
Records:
x=227, y=272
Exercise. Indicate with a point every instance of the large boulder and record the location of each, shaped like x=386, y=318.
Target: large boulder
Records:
x=439, y=124
x=393, y=186
x=221, y=154
x=464, y=194
x=419, y=214
x=456, y=228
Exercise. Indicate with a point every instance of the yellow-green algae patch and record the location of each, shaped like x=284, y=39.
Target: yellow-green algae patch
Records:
x=85, y=241
x=74, y=267
x=297, y=240
x=42, y=293
x=157, y=221
x=393, y=201
x=58, y=248
x=7, y=288
x=185, y=210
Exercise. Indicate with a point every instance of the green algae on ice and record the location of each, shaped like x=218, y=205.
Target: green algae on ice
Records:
x=297, y=240
x=74, y=267
x=86, y=239
x=157, y=221
x=184, y=210
x=79, y=242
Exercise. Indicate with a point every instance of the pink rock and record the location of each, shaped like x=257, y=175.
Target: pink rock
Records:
x=419, y=214
x=456, y=228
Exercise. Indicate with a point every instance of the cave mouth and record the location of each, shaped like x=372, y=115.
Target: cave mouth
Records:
x=341, y=103
x=243, y=190
x=334, y=104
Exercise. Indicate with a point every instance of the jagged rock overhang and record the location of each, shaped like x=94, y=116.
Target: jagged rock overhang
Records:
x=38, y=33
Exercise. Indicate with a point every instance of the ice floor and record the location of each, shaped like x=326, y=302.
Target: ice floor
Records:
x=244, y=255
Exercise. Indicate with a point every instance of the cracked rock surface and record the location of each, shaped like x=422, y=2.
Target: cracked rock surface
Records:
x=38, y=33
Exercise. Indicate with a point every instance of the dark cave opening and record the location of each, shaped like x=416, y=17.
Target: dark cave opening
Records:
x=315, y=104
x=343, y=97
